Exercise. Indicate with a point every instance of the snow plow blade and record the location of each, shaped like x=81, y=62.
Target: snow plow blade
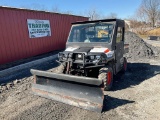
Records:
x=83, y=92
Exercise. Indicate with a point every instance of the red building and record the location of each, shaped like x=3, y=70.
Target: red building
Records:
x=26, y=33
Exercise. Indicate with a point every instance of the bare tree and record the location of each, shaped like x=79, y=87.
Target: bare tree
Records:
x=55, y=9
x=93, y=14
x=150, y=9
x=37, y=6
x=68, y=12
x=111, y=15
x=141, y=15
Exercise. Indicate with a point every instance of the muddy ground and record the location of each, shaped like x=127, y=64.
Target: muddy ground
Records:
x=135, y=95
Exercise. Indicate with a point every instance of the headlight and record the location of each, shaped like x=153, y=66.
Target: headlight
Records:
x=97, y=57
x=92, y=57
x=79, y=55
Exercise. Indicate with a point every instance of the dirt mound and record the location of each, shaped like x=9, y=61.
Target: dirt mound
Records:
x=138, y=48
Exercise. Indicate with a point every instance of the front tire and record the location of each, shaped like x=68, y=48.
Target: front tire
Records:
x=106, y=75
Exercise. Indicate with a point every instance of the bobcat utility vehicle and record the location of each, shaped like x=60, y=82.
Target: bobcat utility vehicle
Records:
x=94, y=54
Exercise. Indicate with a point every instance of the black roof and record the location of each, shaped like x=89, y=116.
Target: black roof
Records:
x=103, y=20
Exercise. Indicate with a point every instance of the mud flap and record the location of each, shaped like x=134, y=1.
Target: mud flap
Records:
x=78, y=91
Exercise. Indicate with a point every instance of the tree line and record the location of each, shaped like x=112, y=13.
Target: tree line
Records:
x=147, y=14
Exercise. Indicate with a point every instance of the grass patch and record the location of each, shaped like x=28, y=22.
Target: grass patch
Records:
x=154, y=32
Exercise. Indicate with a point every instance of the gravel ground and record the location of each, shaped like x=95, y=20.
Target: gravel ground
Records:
x=135, y=95
x=18, y=62
x=155, y=43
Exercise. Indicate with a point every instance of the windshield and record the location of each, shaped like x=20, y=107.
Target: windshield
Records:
x=92, y=32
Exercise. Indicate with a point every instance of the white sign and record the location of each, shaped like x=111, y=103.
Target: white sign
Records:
x=38, y=28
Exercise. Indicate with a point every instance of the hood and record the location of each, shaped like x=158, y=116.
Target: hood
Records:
x=79, y=49
x=87, y=49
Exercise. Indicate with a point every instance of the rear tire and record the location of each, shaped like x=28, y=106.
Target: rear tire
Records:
x=106, y=75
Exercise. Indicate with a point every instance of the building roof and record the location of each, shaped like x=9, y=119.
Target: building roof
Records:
x=25, y=9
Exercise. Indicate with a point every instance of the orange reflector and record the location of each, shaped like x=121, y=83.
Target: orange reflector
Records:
x=106, y=51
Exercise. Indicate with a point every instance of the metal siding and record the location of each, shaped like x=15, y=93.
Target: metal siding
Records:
x=34, y=44
x=58, y=31
x=62, y=29
x=19, y=35
x=23, y=33
x=43, y=41
x=27, y=44
x=14, y=24
x=49, y=38
x=53, y=32
x=37, y=41
x=15, y=43
x=2, y=41
x=7, y=36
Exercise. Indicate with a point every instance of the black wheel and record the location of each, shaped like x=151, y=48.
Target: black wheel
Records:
x=61, y=68
x=106, y=75
x=124, y=69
